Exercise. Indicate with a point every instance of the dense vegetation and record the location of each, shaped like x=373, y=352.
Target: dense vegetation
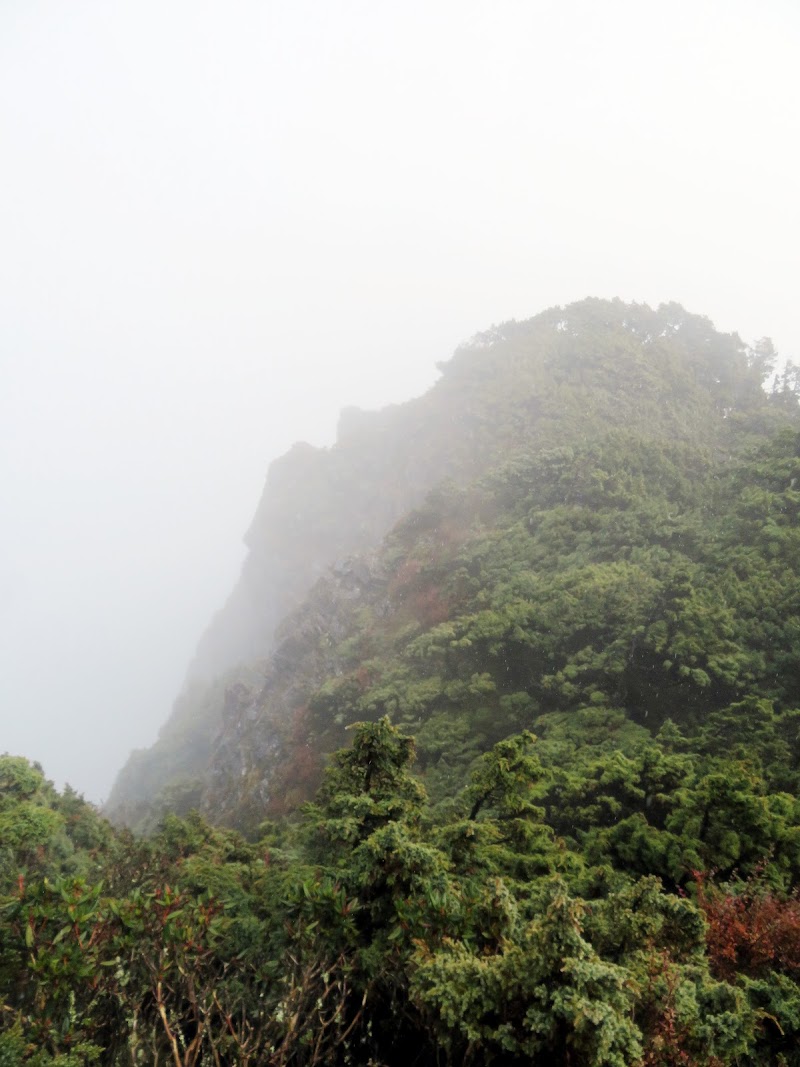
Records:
x=530, y=791
x=599, y=897
x=566, y=378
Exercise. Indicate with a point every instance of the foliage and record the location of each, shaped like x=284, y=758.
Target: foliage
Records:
x=548, y=740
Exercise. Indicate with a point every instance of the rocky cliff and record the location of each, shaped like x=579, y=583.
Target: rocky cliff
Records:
x=346, y=542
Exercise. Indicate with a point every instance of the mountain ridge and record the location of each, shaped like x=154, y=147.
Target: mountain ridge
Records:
x=560, y=380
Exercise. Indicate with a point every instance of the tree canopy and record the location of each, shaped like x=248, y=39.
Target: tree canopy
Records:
x=517, y=786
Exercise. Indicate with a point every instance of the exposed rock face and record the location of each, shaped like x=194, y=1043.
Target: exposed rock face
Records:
x=259, y=755
x=235, y=740
x=318, y=505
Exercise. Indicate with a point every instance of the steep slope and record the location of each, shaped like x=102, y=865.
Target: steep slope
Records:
x=526, y=421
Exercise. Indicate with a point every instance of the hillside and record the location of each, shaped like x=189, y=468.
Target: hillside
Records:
x=512, y=782
x=616, y=426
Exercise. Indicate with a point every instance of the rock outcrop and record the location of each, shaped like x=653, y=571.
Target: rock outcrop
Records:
x=235, y=741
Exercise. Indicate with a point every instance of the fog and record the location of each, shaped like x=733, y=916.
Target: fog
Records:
x=221, y=222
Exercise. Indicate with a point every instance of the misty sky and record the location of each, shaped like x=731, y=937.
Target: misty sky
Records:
x=220, y=222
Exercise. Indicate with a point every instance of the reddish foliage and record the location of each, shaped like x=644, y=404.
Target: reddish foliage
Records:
x=667, y=1040
x=430, y=606
x=299, y=724
x=427, y=602
x=299, y=775
x=405, y=575
x=363, y=677
x=751, y=931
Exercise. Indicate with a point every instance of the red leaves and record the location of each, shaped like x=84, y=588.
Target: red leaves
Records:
x=363, y=677
x=426, y=600
x=404, y=576
x=298, y=777
x=430, y=606
x=751, y=930
x=668, y=1038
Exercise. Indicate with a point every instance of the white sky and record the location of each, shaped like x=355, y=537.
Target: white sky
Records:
x=222, y=221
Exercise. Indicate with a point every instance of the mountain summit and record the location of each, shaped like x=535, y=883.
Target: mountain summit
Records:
x=570, y=521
